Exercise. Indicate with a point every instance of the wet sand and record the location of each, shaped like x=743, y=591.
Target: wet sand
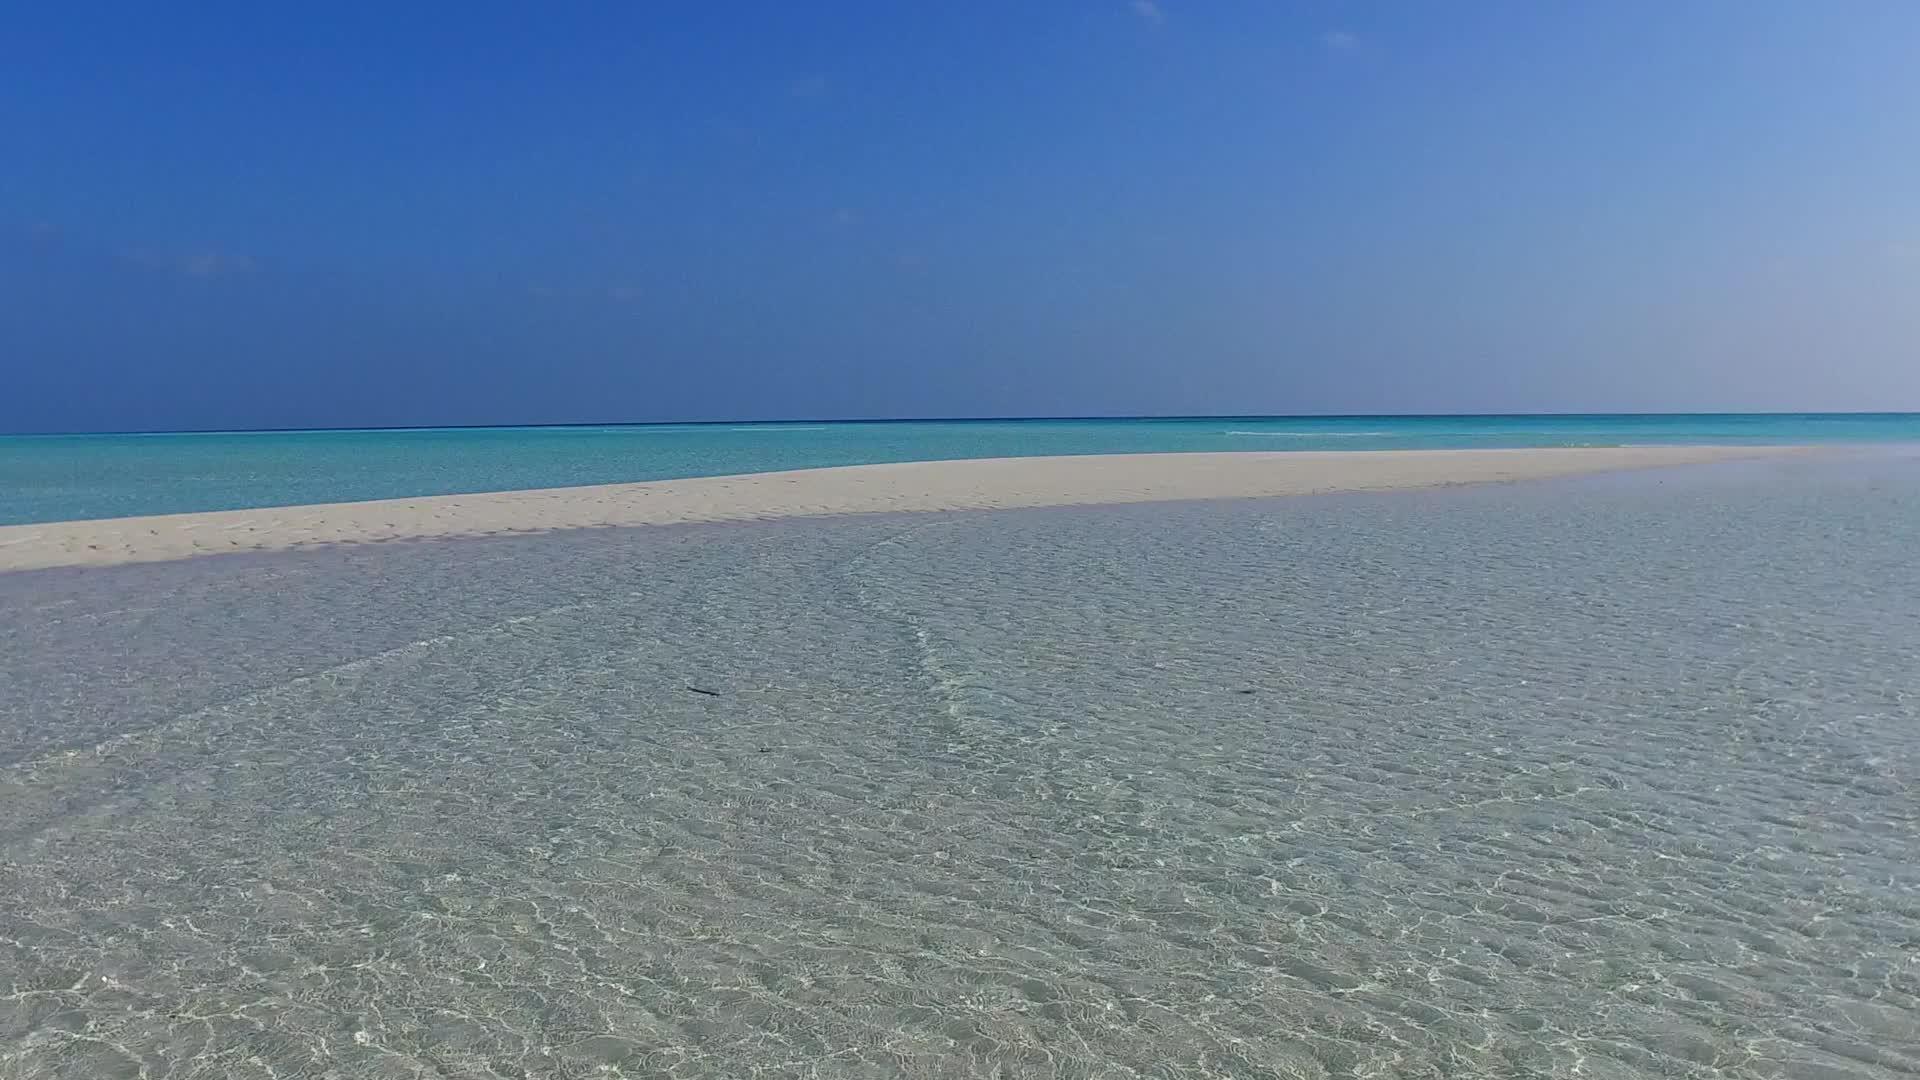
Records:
x=987, y=484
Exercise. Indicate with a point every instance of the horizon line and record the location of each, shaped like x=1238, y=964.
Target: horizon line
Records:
x=937, y=420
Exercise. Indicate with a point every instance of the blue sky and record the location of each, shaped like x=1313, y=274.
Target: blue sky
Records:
x=225, y=215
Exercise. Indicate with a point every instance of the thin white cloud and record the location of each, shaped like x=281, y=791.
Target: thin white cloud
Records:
x=214, y=263
x=198, y=264
x=1340, y=41
x=39, y=235
x=612, y=294
x=1149, y=10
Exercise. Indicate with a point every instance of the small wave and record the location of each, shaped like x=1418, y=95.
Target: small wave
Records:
x=1319, y=434
x=759, y=427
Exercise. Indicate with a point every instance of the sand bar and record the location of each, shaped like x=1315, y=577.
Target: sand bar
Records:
x=982, y=484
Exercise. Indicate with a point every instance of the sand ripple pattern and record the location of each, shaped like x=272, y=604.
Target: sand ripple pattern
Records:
x=1606, y=778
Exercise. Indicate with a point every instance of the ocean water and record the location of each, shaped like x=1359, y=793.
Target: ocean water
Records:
x=60, y=478
x=1611, y=777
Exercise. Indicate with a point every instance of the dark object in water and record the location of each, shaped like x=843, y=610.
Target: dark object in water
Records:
x=704, y=690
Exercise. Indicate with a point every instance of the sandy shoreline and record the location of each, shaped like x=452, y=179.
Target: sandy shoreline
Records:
x=983, y=484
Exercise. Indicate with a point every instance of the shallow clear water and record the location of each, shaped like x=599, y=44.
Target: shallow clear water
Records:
x=61, y=478
x=1607, y=778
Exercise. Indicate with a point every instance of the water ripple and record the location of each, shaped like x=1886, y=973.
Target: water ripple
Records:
x=1592, y=779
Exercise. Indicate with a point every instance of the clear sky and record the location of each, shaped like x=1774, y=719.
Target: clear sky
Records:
x=233, y=215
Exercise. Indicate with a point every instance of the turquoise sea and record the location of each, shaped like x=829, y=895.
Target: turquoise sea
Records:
x=66, y=477
x=1603, y=778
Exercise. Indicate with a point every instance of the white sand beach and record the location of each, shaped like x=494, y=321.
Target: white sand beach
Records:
x=987, y=484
